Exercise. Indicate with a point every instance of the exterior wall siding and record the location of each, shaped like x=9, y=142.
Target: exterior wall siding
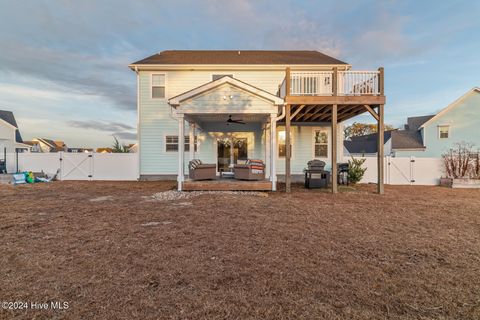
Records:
x=156, y=121
x=464, y=122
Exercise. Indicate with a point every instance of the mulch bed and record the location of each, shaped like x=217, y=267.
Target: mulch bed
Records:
x=112, y=251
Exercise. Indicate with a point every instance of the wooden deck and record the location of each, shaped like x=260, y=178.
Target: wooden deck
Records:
x=227, y=185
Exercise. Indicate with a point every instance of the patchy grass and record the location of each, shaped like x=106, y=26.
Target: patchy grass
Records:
x=112, y=253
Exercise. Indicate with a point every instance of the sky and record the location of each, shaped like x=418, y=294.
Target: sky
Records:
x=63, y=63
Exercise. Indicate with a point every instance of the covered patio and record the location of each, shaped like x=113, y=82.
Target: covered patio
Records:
x=227, y=111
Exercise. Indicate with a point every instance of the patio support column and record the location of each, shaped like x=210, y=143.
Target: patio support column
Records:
x=191, y=141
x=181, y=151
x=380, y=149
x=288, y=149
x=334, y=148
x=273, y=151
x=267, y=152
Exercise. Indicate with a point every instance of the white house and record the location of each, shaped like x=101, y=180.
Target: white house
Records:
x=10, y=137
x=224, y=107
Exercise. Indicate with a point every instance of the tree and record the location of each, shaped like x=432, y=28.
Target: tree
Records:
x=117, y=147
x=360, y=129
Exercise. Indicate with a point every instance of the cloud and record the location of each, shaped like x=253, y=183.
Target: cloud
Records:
x=100, y=125
x=126, y=135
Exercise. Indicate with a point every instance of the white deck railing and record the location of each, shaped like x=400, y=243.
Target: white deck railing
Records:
x=357, y=83
x=311, y=83
x=320, y=83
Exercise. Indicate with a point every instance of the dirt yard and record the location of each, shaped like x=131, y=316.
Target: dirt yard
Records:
x=112, y=251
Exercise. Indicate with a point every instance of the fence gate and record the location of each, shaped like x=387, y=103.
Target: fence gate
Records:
x=400, y=171
x=76, y=166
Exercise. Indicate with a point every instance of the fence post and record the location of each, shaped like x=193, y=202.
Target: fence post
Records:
x=412, y=174
x=60, y=154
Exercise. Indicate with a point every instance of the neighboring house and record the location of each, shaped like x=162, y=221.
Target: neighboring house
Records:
x=10, y=137
x=225, y=107
x=79, y=150
x=133, y=148
x=366, y=145
x=428, y=136
x=104, y=150
x=46, y=145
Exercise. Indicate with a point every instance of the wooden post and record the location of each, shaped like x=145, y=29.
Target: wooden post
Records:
x=287, y=82
x=181, y=150
x=381, y=81
x=335, y=82
x=334, y=148
x=288, y=150
x=380, y=149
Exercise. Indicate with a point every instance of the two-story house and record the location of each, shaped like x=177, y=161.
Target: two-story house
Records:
x=428, y=136
x=224, y=107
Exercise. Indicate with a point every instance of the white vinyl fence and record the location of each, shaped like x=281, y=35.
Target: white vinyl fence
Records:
x=405, y=170
x=78, y=166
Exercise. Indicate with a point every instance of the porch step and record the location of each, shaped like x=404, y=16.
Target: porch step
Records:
x=227, y=185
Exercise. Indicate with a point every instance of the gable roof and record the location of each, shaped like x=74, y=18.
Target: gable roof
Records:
x=225, y=80
x=407, y=139
x=414, y=123
x=452, y=105
x=235, y=57
x=366, y=143
x=8, y=117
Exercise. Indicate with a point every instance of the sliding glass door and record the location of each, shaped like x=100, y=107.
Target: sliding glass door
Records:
x=230, y=151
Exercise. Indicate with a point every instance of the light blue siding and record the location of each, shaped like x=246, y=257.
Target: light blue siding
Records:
x=156, y=121
x=464, y=122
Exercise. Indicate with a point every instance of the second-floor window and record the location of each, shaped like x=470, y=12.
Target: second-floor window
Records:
x=158, y=86
x=443, y=132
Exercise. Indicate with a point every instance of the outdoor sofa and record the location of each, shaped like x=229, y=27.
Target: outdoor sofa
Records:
x=251, y=170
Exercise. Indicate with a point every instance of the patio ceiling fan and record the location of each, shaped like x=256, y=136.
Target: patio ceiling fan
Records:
x=230, y=120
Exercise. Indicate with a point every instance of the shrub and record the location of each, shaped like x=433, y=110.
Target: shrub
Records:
x=355, y=170
x=461, y=161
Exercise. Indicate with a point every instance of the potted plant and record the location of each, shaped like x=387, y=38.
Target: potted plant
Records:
x=462, y=166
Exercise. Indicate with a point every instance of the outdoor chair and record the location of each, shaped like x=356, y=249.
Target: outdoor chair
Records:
x=201, y=171
x=251, y=170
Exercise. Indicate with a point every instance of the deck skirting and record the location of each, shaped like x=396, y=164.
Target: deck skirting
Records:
x=227, y=185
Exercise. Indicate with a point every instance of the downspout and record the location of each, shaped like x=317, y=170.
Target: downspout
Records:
x=138, y=122
x=282, y=114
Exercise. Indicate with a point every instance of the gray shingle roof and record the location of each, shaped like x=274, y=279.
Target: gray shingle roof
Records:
x=239, y=57
x=414, y=123
x=365, y=144
x=10, y=118
x=401, y=139
x=407, y=139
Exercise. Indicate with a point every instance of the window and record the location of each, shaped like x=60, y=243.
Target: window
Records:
x=187, y=143
x=321, y=143
x=218, y=76
x=171, y=144
x=282, y=149
x=158, y=86
x=443, y=132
